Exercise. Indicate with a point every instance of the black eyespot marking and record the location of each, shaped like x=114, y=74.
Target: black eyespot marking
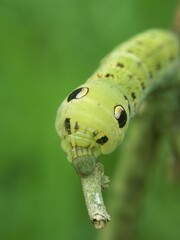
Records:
x=129, y=107
x=76, y=126
x=109, y=75
x=121, y=65
x=133, y=95
x=78, y=93
x=74, y=94
x=67, y=125
x=120, y=115
x=102, y=140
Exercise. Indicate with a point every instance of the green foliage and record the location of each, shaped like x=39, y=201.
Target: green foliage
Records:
x=48, y=48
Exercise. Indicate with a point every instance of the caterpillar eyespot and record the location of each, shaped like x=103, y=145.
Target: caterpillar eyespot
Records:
x=78, y=93
x=113, y=95
x=120, y=115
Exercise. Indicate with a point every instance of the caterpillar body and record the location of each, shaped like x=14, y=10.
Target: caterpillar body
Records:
x=93, y=119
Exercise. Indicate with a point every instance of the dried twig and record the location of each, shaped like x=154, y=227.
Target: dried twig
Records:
x=92, y=188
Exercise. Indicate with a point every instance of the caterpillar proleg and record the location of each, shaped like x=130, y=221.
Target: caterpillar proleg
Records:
x=94, y=118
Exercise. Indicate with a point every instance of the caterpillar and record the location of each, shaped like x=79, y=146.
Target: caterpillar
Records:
x=94, y=118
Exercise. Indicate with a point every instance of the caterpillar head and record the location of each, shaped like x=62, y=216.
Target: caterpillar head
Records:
x=90, y=121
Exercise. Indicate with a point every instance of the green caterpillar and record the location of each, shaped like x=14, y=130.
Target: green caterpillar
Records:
x=93, y=119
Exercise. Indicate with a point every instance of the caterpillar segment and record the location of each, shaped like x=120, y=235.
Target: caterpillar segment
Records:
x=94, y=118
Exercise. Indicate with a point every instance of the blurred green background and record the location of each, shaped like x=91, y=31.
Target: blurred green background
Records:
x=47, y=48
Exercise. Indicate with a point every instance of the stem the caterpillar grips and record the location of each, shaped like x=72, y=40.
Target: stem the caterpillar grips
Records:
x=94, y=118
